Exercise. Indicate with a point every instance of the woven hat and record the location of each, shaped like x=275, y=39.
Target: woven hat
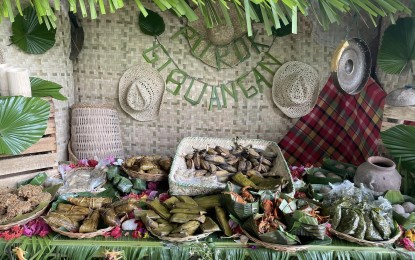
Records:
x=141, y=90
x=401, y=97
x=295, y=88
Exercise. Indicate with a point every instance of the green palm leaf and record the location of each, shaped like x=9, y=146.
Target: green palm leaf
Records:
x=44, y=88
x=398, y=46
x=152, y=24
x=400, y=142
x=23, y=122
x=31, y=36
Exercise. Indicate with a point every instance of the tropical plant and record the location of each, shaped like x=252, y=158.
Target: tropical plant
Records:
x=44, y=88
x=23, y=122
x=400, y=142
x=398, y=46
x=31, y=36
x=325, y=11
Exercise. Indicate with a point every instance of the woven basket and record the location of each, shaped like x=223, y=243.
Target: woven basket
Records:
x=181, y=239
x=276, y=247
x=366, y=242
x=100, y=232
x=187, y=145
x=95, y=132
x=145, y=176
x=23, y=221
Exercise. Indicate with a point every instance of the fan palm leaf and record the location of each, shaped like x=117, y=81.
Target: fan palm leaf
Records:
x=400, y=142
x=23, y=122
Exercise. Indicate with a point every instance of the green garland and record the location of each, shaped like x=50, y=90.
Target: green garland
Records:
x=216, y=12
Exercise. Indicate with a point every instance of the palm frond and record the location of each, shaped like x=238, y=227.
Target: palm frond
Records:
x=325, y=11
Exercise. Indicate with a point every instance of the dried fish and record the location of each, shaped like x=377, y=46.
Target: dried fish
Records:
x=216, y=159
x=242, y=165
x=196, y=161
x=204, y=164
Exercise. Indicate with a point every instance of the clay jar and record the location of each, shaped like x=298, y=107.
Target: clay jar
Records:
x=378, y=174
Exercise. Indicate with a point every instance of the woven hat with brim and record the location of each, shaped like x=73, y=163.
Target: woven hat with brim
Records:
x=295, y=88
x=141, y=90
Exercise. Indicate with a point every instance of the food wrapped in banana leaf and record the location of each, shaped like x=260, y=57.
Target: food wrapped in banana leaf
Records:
x=139, y=213
x=371, y=234
x=209, y=226
x=60, y=220
x=187, y=229
x=124, y=208
x=361, y=227
x=183, y=218
x=109, y=216
x=93, y=203
x=223, y=221
x=187, y=200
x=91, y=223
x=196, y=210
x=163, y=230
x=381, y=224
x=159, y=209
x=72, y=209
x=76, y=217
x=336, y=216
x=243, y=181
x=150, y=223
x=208, y=202
x=169, y=203
x=349, y=222
x=123, y=202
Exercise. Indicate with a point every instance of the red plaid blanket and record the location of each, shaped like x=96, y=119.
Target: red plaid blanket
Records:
x=341, y=126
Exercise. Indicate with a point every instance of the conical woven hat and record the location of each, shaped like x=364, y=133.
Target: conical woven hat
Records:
x=141, y=90
x=295, y=88
x=401, y=97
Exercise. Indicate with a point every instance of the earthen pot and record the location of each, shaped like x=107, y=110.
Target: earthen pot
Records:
x=378, y=174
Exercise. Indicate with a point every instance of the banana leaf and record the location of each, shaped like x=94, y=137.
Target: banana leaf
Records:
x=113, y=171
x=276, y=237
x=345, y=170
x=307, y=230
x=310, y=178
x=23, y=122
x=394, y=197
x=139, y=185
x=397, y=49
x=39, y=179
x=124, y=185
x=240, y=210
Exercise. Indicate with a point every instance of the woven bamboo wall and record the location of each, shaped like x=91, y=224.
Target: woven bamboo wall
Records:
x=55, y=66
x=113, y=43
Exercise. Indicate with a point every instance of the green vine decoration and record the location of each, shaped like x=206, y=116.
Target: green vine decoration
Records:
x=216, y=12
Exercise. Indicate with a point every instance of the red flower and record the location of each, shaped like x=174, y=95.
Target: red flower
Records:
x=116, y=232
x=136, y=234
x=92, y=163
x=12, y=233
x=408, y=244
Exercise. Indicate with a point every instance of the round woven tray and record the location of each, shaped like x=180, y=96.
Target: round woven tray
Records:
x=100, y=232
x=181, y=239
x=276, y=247
x=23, y=221
x=145, y=176
x=366, y=242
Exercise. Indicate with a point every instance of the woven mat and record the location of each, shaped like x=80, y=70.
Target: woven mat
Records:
x=341, y=126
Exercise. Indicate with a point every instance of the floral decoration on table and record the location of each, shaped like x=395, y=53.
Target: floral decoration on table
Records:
x=36, y=227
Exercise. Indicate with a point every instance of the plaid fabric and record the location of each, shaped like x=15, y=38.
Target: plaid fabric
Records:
x=341, y=126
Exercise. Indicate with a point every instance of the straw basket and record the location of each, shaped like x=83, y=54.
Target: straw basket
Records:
x=187, y=146
x=181, y=239
x=23, y=221
x=95, y=132
x=366, y=242
x=100, y=232
x=276, y=247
